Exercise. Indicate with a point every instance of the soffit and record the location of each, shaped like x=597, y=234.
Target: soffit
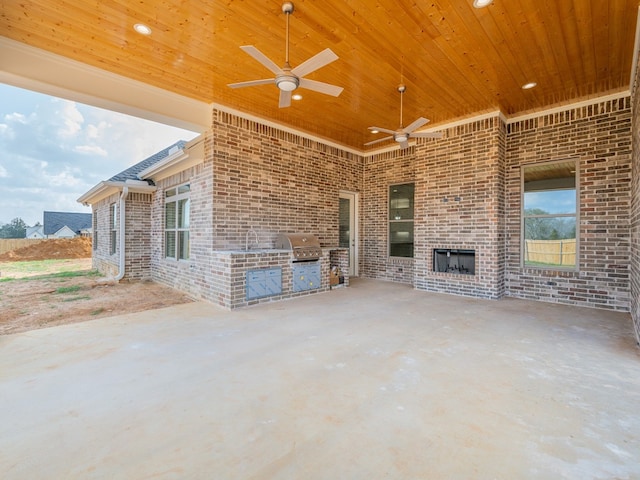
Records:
x=457, y=61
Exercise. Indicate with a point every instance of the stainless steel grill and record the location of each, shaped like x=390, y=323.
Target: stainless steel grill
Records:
x=303, y=246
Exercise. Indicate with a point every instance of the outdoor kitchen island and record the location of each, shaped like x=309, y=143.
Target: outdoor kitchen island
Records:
x=248, y=277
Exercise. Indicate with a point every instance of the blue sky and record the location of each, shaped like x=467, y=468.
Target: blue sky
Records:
x=552, y=201
x=53, y=150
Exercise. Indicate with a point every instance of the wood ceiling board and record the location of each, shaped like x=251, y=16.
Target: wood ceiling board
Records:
x=456, y=60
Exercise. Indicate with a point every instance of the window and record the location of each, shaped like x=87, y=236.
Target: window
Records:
x=176, y=222
x=549, y=215
x=401, y=220
x=113, y=222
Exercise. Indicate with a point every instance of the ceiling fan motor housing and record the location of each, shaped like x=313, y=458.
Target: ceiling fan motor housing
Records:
x=287, y=82
x=401, y=137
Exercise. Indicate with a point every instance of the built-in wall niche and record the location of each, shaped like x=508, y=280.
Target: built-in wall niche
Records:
x=458, y=261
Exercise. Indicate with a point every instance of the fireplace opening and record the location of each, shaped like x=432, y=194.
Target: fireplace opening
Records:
x=458, y=261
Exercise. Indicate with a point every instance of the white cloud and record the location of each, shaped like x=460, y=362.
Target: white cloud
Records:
x=52, y=151
x=71, y=118
x=91, y=150
x=63, y=179
x=16, y=117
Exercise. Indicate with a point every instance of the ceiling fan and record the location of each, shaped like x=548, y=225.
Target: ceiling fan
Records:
x=288, y=79
x=402, y=134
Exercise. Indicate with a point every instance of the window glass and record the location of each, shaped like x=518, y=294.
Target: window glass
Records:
x=401, y=211
x=114, y=229
x=550, y=220
x=170, y=244
x=183, y=213
x=177, y=220
x=170, y=215
x=183, y=245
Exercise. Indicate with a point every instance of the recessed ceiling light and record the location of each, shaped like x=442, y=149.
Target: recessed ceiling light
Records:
x=529, y=85
x=296, y=96
x=481, y=3
x=142, y=29
x=375, y=131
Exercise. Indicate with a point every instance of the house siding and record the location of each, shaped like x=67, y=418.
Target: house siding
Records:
x=598, y=136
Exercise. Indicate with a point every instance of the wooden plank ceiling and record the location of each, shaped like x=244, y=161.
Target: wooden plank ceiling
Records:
x=456, y=60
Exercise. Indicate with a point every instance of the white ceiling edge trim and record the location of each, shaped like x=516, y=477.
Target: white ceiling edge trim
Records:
x=284, y=128
x=569, y=106
x=28, y=67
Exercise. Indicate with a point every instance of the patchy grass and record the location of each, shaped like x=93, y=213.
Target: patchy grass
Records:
x=73, y=299
x=44, y=269
x=69, y=289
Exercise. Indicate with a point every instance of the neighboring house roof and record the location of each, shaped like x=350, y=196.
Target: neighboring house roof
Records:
x=131, y=176
x=54, y=221
x=132, y=172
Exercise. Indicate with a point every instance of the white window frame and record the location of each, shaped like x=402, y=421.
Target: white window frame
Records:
x=181, y=230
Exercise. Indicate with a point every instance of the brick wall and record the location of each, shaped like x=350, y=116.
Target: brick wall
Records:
x=599, y=136
x=194, y=275
x=634, y=218
x=102, y=259
x=274, y=181
x=459, y=205
x=258, y=177
x=138, y=236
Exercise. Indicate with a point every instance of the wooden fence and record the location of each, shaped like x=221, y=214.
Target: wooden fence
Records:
x=8, y=244
x=550, y=252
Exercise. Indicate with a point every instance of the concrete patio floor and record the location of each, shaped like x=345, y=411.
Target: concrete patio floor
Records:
x=368, y=382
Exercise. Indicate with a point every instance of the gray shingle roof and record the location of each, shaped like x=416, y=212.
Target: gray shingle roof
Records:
x=132, y=172
x=54, y=221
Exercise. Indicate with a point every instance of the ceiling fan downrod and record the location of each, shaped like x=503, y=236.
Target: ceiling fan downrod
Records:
x=287, y=8
x=401, y=88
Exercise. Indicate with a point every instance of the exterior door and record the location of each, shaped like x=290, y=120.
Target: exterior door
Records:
x=349, y=229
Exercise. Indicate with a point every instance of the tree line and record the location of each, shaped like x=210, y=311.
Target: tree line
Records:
x=16, y=228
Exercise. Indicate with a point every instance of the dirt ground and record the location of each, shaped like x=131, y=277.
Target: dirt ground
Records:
x=51, y=249
x=34, y=298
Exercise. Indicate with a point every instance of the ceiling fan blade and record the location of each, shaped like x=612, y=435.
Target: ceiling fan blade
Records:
x=383, y=130
x=262, y=58
x=415, y=125
x=320, y=87
x=319, y=60
x=426, y=135
x=251, y=83
x=379, y=140
x=285, y=99
x=404, y=144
